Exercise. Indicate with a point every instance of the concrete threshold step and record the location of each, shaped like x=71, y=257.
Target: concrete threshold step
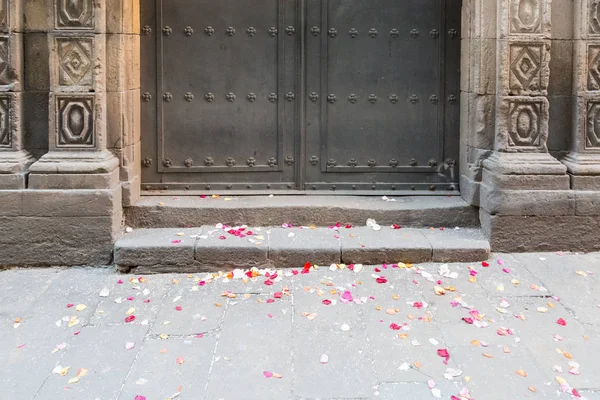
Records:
x=413, y=211
x=212, y=248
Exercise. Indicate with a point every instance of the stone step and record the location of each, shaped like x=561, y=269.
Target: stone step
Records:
x=209, y=248
x=408, y=211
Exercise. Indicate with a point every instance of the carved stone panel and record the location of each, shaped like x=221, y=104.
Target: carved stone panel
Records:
x=528, y=71
x=526, y=16
x=4, y=60
x=75, y=61
x=4, y=15
x=5, y=131
x=75, y=121
x=524, y=121
x=592, y=126
x=74, y=14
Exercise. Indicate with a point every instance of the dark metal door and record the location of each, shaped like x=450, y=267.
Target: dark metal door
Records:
x=335, y=95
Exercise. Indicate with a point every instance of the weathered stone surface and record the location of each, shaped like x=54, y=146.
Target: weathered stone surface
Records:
x=365, y=246
x=319, y=246
x=45, y=241
x=164, y=211
x=106, y=374
x=587, y=202
x=163, y=375
x=527, y=202
x=264, y=346
x=149, y=247
x=71, y=203
x=458, y=245
x=232, y=251
x=541, y=233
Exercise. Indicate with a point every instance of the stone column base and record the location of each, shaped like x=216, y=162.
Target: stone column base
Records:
x=75, y=170
x=14, y=167
x=584, y=170
x=520, y=192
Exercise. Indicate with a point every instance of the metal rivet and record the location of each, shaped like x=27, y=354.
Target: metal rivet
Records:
x=188, y=31
x=314, y=160
x=314, y=96
x=352, y=162
x=315, y=31
x=412, y=162
x=373, y=33
x=189, y=162
x=146, y=97
x=147, y=30
x=413, y=98
x=167, y=163
x=332, y=32
x=433, y=162
x=434, y=33
x=167, y=97
x=432, y=187
x=209, y=161
x=167, y=30
x=248, y=186
x=394, y=33
x=393, y=163
x=209, y=97
x=393, y=187
x=353, y=33
x=452, y=99
x=147, y=162
x=433, y=99
x=209, y=31
x=269, y=186
x=289, y=96
x=314, y=187
x=230, y=162
x=372, y=99
x=207, y=187
x=371, y=163
x=289, y=160
x=272, y=162
x=230, y=97
x=229, y=186
x=331, y=98
x=290, y=30
x=251, y=31
x=272, y=97
x=251, y=97
x=352, y=98
x=333, y=187
x=189, y=96
x=230, y=31
x=414, y=33
x=331, y=162
x=374, y=187
x=353, y=187
x=394, y=98
x=251, y=162
x=273, y=31
x=289, y=186
x=453, y=33
x=413, y=187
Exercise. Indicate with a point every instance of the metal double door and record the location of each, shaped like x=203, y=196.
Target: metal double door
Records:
x=300, y=95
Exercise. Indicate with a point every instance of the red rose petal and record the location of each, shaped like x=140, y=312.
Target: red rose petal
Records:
x=381, y=279
x=561, y=321
x=278, y=295
x=178, y=308
x=70, y=305
x=395, y=326
x=268, y=282
x=485, y=264
x=129, y=318
x=269, y=301
x=468, y=320
x=326, y=302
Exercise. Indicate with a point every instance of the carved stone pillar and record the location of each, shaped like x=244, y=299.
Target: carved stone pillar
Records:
x=14, y=160
x=583, y=161
x=78, y=156
x=521, y=175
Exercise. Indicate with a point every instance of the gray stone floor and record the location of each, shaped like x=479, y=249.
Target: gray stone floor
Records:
x=65, y=333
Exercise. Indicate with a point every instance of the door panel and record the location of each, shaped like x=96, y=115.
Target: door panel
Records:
x=300, y=94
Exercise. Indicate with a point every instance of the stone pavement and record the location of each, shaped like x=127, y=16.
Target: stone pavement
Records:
x=522, y=326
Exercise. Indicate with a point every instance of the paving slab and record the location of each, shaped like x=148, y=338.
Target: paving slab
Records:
x=218, y=248
x=397, y=391
x=157, y=374
x=293, y=247
x=130, y=295
x=452, y=245
x=23, y=287
x=364, y=245
x=190, y=309
x=152, y=247
x=346, y=349
x=254, y=339
x=101, y=351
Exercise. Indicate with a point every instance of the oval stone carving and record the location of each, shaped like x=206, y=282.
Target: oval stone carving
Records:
x=527, y=10
x=75, y=120
x=525, y=121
